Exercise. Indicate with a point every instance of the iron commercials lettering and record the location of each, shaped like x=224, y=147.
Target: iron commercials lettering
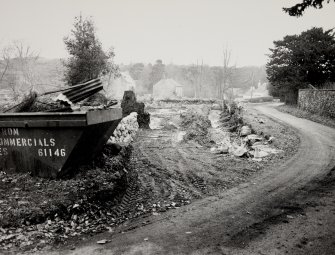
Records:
x=46, y=147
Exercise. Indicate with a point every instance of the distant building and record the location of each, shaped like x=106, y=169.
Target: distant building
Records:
x=167, y=89
x=260, y=91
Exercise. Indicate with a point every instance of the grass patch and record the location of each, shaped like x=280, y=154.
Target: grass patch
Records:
x=295, y=111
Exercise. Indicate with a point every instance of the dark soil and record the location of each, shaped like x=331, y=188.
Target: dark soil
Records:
x=160, y=174
x=57, y=209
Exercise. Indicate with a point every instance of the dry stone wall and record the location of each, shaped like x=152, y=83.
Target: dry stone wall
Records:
x=320, y=102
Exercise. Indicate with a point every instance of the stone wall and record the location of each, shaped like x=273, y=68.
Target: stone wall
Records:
x=320, y=102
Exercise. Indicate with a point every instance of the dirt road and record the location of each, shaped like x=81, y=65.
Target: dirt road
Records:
x=237, y=221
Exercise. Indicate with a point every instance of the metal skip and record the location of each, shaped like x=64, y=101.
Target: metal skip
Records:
x=53, y=144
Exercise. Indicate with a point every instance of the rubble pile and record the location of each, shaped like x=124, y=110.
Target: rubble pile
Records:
x=246, y=144
x=242, y=140
x=231, y=117
x=196, y=126
x=126, y=130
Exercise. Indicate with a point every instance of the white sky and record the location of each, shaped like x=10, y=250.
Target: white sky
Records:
x=178, y=31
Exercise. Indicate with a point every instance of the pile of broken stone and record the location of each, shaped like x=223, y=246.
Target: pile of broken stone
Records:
x=246, y=144
x=126, y=130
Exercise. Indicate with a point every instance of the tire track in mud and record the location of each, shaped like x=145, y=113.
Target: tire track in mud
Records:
x=130, y=197
x=174, y=167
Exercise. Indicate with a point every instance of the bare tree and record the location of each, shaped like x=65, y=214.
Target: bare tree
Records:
x=6, y=55
x=226, y=75
x=199, y=79
x=18, y=62
x=26, y=59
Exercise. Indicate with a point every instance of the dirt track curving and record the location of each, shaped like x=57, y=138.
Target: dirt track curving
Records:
x=226, y=223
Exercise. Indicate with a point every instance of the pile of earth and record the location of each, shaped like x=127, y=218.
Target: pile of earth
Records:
x=37, y=211
x=196, y=125
x=241, y=139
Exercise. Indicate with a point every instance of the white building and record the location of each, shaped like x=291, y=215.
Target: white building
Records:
x=167, y=89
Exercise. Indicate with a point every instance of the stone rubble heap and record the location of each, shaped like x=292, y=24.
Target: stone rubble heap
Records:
x=246, y=144
x=126, y=130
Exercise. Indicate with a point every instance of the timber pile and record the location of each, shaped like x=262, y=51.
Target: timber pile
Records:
x=63, y=102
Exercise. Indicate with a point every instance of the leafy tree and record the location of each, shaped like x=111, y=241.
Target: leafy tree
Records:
x=298, y=9
x=299, y=60
x=136, y=70
x=88, y=60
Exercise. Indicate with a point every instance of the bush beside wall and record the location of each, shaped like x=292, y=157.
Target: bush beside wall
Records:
x=320, y=102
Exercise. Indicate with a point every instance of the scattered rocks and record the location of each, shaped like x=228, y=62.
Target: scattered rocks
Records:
x=246, y=144
x=222, y=149
x=103, y=241
x=240, y=151
x=126, y=130
x=216, y=106
x=245, y=130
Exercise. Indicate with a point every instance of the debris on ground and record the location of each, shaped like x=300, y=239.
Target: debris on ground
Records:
x=87, y=203
x=69, y=99
x=241, y=140
x=222, y=149
x=126, y=130
x=103, y=241
x=196, y=126
x=245, y=130
x=160, y=173
x=231, y=117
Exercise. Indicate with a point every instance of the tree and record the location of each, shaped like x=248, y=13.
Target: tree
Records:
x=299, y=60
x=227, y=74
x=6, y=55
x=88, y=60
x=298, y=9
x=157, y=73
x=136, y=70
x=18, y=64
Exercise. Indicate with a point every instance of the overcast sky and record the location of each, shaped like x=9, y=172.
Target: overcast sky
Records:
x=177, y=31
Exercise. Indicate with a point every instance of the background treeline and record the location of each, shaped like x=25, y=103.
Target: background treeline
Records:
x=40, y=74
x=198, y=80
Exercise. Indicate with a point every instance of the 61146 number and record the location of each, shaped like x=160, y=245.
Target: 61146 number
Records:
x=51, y=152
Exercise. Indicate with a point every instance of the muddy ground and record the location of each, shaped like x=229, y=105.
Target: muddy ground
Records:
x=174, y=169
x=165, y=171
x=286, y=208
